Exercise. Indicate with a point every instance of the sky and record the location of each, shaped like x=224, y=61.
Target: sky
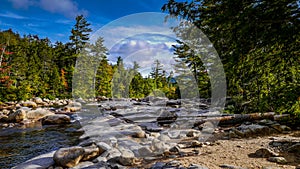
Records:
x=128, y=27
x=55, y=18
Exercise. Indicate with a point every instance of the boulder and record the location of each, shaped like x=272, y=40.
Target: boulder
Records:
x=173, y=164
x=38, y=100
x=72, y=107
x=84, y=165
x=29, y=104
x=41, y=161
x=17, y=116
x=112, y=155
x=294, y=148
x=167, y=117
x=145, y=152
x=193, y=133
x=103, y=147
x=90, y=153
x=137, y=131
x=196, y=166
x=68, y=157
x=5, y=111
x=3, y=118
x=253, y=130
x=159, y=146
x=56, y=119
x=38, y=114
x=279, y=160
x=265, y=153
x=230, y=166
x=127, y=157
x=280, y=128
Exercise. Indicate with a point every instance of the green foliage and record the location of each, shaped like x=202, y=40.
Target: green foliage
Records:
x=258, y=43
x=36, y=67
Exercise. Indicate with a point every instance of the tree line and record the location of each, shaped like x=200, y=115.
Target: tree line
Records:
x=34, y=67
x=258, y=42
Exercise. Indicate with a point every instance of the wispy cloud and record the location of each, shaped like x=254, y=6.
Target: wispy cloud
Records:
x=24, y=4
x=32, y=25
x=68, y=8
x=5, y=24
x=12, y=15
x=64, y=21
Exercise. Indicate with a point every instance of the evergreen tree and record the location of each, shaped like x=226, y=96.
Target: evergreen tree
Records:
x=80, y=33
x=258, y=42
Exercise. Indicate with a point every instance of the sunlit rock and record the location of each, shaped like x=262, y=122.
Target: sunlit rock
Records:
x=56, y=119
x=68, y=157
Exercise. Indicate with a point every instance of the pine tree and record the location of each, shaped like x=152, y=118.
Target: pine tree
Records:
x=80, y=33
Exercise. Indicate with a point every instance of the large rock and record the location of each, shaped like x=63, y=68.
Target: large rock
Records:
x=56, y=119
x=38, y=100
x=159, y=146
x=68, y=157
x=3, y=118
x=265, y=153
x=167, y=117
x=145, y=151
x=38, y=114
x=29, y=104
x=294, y=148
x=17, y=116
x=279, y=160
x=103, y=147
x=42, y=161
x=127, y=157
x=91, y=153
x=252, y=130
x=73, y=107
x=230, y=166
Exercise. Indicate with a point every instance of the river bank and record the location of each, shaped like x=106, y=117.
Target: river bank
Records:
x=162, y=133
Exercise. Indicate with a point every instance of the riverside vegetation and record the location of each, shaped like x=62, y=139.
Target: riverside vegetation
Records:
x=257, y=41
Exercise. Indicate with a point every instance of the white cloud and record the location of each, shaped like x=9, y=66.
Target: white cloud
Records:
x=145, y=58
x=12, y=15
x=141, y=42
x=68, y=8
x=5, y=24
x=24, y=4
x=64, y=21
x=114, y=34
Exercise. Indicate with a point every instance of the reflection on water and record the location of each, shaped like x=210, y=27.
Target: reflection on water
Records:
x=20, y=144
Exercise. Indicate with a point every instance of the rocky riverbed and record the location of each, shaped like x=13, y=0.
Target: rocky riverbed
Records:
x=161, y=133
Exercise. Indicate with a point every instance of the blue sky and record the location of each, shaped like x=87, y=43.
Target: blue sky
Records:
x=141, y=38
x=55, y=18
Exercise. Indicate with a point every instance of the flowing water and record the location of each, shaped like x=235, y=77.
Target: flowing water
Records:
x=19, y=144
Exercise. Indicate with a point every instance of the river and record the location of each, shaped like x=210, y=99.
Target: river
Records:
x=19, y=144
